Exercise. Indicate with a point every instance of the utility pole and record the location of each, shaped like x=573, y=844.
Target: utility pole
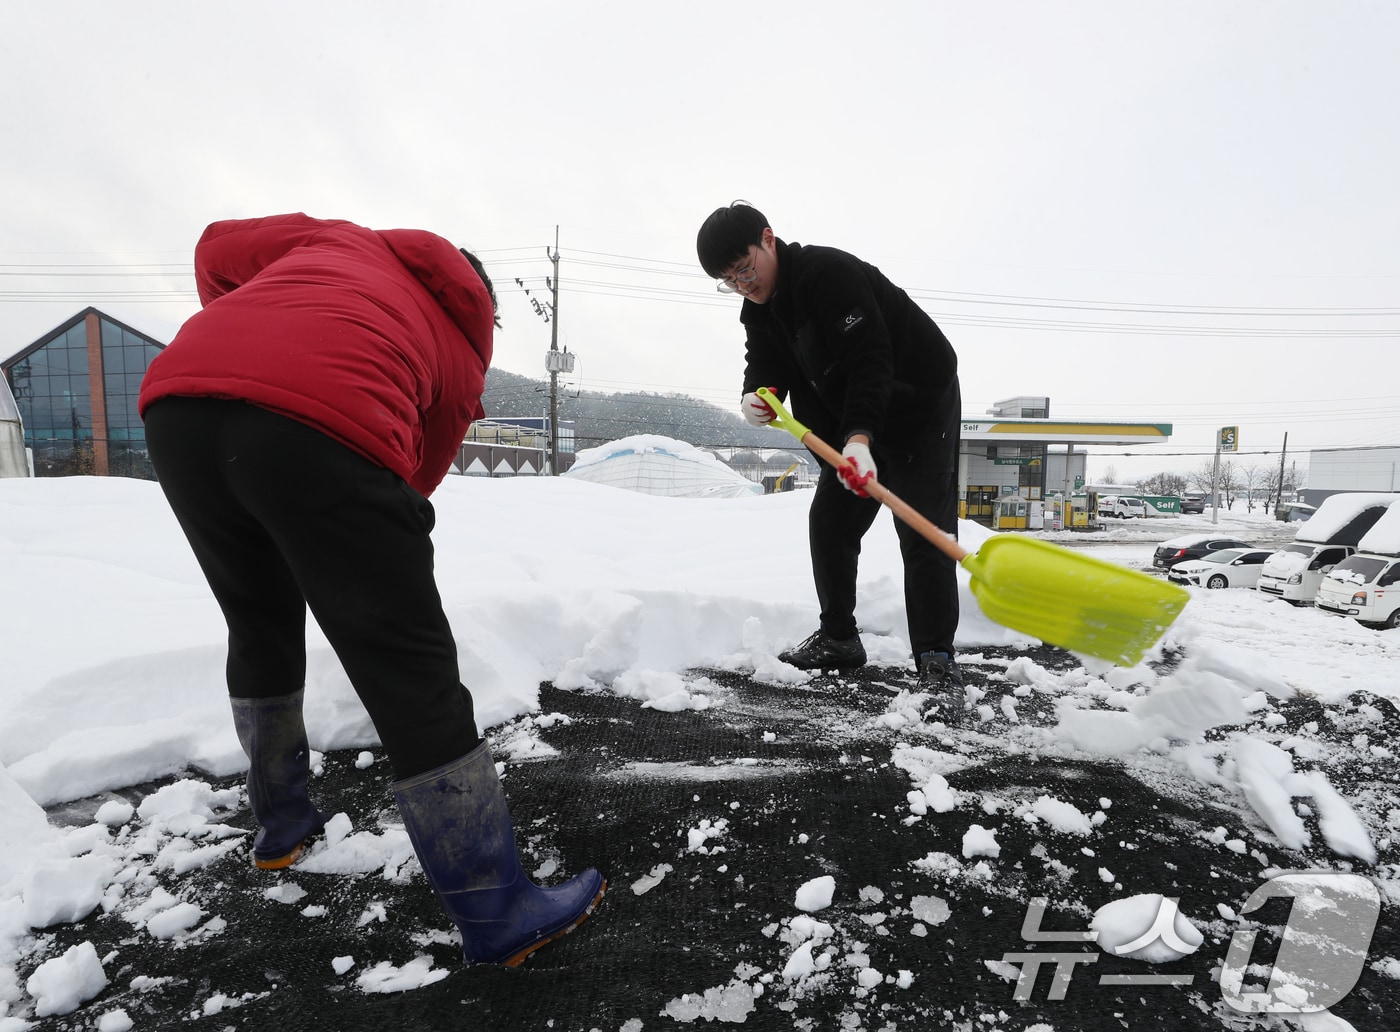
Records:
x=1278, y=504
x=555, y=361
x=551, y=362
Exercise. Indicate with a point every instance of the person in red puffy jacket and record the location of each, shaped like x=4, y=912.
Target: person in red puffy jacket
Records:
x=297, y=425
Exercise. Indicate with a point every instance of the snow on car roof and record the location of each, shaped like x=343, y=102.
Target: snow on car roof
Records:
x=1191, y=539
x=1384, y=537
x=1336, y=511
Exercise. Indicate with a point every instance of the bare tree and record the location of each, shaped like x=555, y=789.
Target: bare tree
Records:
x=1254, y=478
x=1227, y=486
x=1291, y=482
x=1202, y=477
x=1110, y=475
x=1229, y=481
x=1163, y=484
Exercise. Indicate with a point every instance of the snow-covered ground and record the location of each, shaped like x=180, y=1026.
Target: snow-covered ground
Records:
x=114, y=651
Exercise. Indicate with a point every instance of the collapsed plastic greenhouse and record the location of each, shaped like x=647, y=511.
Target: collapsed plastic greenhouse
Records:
x=657, y=465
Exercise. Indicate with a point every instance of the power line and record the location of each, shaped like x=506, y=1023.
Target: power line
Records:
x=953, y=308
x=1012, y=300
x=668, y=267
x=122, y=296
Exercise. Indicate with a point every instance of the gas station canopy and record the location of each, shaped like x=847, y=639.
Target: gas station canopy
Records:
x=1058, y=431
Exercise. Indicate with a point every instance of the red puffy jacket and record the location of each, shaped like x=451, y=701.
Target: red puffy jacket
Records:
x=379, y=339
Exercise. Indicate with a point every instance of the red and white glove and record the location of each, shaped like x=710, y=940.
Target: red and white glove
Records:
x=857, y=467
x=756, y=411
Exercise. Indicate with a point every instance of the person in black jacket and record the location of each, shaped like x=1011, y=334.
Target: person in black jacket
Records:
x=865, y=367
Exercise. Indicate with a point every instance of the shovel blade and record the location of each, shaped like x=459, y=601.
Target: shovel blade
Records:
x=1071, y=600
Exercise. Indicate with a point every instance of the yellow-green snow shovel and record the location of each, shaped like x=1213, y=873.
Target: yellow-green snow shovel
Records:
x=1082, y=604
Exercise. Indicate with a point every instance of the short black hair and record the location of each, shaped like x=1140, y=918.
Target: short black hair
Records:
x=485, y=282
x=727, y=235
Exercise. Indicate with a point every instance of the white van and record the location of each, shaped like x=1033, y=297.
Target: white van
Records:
x=1330, y=535
x=1122, y=506
x=1366, y=586
x=1294, y=572
x=1363, y=586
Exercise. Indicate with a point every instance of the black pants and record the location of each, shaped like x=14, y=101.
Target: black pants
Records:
x=282, y=517
x=927, y=479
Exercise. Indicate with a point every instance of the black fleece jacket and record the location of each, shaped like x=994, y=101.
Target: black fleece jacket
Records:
x=851, y=349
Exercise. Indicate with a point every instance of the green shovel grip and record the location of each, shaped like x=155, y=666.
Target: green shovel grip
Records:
x=782, y=419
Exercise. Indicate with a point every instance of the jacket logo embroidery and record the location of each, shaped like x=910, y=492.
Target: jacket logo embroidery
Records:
x=852, y=320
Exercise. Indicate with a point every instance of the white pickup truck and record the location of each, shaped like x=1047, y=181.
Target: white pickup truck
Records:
x=1122, y=506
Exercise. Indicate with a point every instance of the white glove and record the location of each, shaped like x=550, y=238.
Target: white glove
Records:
x=857, y=467
x=756, y=411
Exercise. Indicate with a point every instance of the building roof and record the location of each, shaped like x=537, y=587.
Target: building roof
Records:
x=67, y=325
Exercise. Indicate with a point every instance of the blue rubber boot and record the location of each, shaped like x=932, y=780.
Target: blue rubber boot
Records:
x=457, y=819
x=273, y=735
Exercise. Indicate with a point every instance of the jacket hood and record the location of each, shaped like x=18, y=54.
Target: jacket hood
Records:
x=451, y=280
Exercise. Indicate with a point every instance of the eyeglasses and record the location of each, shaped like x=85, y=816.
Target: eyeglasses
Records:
x=730, y=284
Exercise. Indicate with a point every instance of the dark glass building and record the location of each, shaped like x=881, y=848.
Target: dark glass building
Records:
x=76, y=390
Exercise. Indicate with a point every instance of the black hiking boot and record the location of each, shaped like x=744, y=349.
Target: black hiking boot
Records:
x=940, y=675
x=823, y=652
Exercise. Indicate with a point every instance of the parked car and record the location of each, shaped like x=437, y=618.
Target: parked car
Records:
x=1363, y=586
x=1192, y=546
x=1294, y=512
x=1227, y=568
x=1122, y=506
x=1193, y=503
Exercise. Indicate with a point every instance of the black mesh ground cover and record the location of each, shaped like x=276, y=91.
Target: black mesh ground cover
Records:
x=628, y=785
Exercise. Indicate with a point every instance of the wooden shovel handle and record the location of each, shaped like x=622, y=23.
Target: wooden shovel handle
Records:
x=945, y=542
x=783, y=420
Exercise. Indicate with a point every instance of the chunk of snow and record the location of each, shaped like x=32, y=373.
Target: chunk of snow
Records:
x=62, y=984
x=114, y=813
x=67, y=890
x=1147, y=927
x=651, y=879
x=384, y=977
x=980, y=841
x=729, y=1003
x=170, y=923
x=1263, y=770
x=1061, y=816
x=816, y=894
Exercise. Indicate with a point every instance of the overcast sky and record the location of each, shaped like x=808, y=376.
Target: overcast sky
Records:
x=1178, y=212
